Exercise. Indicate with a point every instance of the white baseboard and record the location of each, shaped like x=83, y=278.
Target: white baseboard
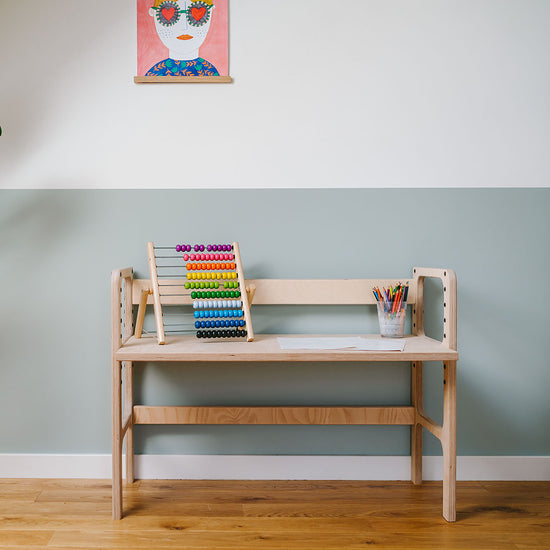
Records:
x=469, y=468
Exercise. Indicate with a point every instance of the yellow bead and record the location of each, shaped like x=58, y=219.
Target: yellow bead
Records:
x=194, y=275
x=209, y=275
x=224, y=276
x=189, y=275
x=219, y=275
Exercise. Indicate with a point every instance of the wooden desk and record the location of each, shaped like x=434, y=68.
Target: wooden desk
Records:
x=127, y=349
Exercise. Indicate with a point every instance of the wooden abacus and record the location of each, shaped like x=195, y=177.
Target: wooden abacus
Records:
x=208, y=277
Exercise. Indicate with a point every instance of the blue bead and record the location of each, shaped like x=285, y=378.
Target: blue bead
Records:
x=196, y=314
x=197, y=324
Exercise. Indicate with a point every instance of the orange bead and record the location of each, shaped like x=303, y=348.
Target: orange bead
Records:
x=233, y=266
x=188, y=266
x=203, y=266
x=217, y=266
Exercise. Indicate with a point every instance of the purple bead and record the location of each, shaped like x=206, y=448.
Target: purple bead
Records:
x=178, y=248
x=197, y=248
x=188, y=248
x=209, y=248
x=202, y=248
x=215, y=247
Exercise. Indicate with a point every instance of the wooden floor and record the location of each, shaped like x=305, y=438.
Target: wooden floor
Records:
x=272, y=514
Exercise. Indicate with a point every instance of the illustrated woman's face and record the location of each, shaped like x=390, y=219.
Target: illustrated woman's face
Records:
x=182, y=25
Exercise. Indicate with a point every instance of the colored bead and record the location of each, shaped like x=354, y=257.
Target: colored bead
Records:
x=178, y=248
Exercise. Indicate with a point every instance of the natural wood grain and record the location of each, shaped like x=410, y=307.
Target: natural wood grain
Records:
x=311, y=515
x=244, y=293
x=273, y=415
x=416, y=428
x=265, y=347
x=296, y=291
x=182, y=79
x=156, y=295
x=128, y=426
x=117, y=438
x=140, y=317
x=448, y=440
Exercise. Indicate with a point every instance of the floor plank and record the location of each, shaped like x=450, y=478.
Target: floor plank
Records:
x=280, y=515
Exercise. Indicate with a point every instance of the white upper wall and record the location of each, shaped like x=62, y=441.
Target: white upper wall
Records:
x=370, y=93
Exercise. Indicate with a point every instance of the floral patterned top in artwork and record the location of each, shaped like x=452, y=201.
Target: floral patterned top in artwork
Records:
x=176, y=67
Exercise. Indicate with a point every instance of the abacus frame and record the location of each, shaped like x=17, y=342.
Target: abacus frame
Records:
x=178, y=295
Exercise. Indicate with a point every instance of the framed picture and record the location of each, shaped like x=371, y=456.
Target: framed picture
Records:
x=182, y=41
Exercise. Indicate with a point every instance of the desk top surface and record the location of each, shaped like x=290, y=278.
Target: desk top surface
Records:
x=265, y=348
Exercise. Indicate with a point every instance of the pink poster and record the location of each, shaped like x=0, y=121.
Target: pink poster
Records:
x=182, y=38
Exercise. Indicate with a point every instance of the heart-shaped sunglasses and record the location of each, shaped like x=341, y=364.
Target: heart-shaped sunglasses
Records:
x=169, y=13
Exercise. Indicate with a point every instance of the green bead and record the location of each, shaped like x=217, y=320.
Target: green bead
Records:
x=193, y=295
x=187, y=285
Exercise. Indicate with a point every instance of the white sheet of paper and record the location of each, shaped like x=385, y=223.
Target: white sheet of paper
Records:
x=349, y=342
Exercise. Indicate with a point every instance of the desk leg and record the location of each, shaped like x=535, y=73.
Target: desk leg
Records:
x=129, y=407
x=448, y=440
x=117, y=438
x=416, y=428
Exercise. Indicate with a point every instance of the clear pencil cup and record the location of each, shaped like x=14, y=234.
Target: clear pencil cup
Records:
x=391, y=318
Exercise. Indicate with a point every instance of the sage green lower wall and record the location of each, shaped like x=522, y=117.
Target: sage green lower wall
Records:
x=59, y=247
